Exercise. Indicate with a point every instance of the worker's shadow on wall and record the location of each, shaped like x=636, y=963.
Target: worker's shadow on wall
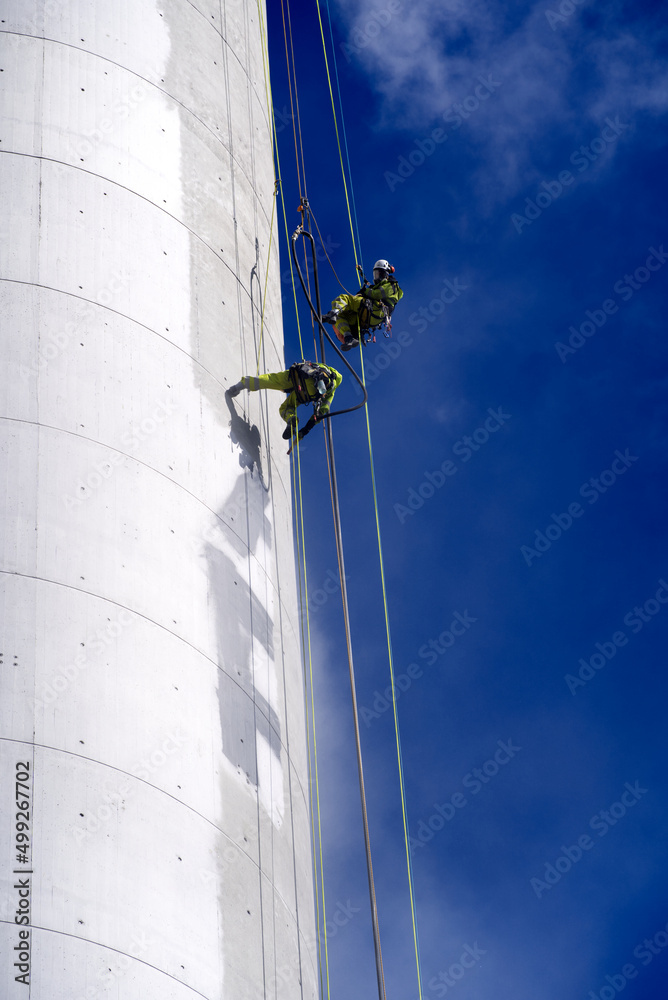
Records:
x=247, y=436
x=243, y=600
x=250, y=725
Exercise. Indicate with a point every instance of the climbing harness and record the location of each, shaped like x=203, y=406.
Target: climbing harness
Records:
x=368, y=332
x=322, y=379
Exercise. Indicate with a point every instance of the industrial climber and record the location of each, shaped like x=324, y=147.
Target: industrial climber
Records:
x=356, y=317
x=305, y=382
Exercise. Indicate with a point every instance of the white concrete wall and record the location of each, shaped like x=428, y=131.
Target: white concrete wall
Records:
x=149, y=668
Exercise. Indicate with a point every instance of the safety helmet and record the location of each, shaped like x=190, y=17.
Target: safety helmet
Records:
x=382, y=269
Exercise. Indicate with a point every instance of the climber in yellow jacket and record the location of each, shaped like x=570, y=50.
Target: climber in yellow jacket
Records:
x=353, y=316
x=305, y=382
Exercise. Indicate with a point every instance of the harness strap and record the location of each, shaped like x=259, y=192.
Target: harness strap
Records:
x=366, y=329
x=298, y=376
x=364, y=320
x=299, y=386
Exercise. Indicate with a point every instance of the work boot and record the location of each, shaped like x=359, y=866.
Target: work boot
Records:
x=331, y=316
x=348, y=342
x=234, y=390
x=288, y=432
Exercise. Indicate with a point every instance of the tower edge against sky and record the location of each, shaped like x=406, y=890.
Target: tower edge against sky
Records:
x=150, y=683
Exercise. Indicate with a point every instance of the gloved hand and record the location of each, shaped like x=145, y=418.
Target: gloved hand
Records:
x=331, y=316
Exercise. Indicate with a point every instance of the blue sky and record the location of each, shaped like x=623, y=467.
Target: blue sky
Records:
x=510, y=161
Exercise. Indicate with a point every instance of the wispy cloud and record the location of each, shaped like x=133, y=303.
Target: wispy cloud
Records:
x=429, y=56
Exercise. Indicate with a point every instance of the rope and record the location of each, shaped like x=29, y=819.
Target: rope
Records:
x=300, y=231
x=266, y=276
x=411, y=883
x=337, y=523
x=336, y=129
x=324, y=248
x=296, y=121
x=380, y=975
x=402, y=787
x=314, y=783
x=291, y=76
x=315, y=807
x=315, y=310
x=272, y=119
x=343, y=127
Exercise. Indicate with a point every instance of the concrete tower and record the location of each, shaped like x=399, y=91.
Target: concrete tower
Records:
x=154, y=841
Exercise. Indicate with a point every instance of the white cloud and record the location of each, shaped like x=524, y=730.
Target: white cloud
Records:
x=430, y=55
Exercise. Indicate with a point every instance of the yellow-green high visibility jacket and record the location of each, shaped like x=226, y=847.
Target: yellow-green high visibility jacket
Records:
x=354, y=309
x=283, y=382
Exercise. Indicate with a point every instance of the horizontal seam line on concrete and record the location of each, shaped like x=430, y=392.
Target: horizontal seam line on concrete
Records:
x=217, y=516
x=112, y=62
x=150, y=468
x=180, y=638
x=161, y=791
x=142, y=197
x=117, y=951
x=117, y=312
x=128, y=774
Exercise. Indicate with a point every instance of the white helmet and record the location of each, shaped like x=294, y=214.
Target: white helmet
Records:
x=382, y=269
